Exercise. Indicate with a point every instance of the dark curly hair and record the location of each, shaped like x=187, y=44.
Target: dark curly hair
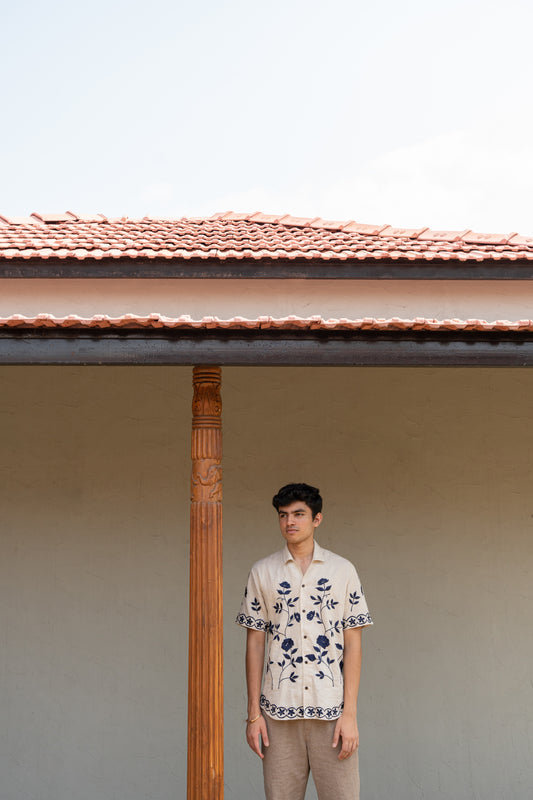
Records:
x=293, y=492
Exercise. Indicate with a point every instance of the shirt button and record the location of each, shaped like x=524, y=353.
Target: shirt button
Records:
x=306, y=687
x=303, y=585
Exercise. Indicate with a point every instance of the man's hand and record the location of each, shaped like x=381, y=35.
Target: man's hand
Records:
x=254, y=731
x=347, y=731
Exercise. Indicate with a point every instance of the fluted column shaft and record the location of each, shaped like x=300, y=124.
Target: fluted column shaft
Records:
x=205, y=760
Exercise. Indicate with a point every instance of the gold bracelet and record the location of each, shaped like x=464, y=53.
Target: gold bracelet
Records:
x=249, y=721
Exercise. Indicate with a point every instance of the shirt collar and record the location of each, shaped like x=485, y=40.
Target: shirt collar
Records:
x=319, y=554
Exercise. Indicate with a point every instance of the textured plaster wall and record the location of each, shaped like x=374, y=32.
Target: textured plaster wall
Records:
x=93, y=591
x=427, y=481
x=225, y=299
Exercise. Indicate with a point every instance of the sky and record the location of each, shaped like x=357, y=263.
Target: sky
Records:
x=413, y=113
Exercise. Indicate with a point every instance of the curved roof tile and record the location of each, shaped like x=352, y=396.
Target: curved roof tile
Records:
x=251, y=236
x=314, y=323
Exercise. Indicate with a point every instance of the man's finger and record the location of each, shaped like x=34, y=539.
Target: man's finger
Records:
x=264, y=735
x=348, y=747
x=256, y=746
x=336, y=736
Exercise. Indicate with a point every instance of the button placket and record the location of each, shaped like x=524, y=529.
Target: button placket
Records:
x=306, y=675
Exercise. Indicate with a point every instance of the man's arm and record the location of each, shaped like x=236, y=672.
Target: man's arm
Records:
x=255, y=659
x=346, y=728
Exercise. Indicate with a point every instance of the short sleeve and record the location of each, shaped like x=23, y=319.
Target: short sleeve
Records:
x=356, y=614
x=253, y=612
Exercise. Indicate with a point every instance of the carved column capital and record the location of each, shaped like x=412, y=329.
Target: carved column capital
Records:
x=206, y=451
x=206, y=404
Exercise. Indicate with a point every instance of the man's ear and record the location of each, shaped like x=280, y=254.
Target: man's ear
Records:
x=317, y=520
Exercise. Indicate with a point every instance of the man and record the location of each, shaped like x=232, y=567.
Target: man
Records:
x=307, y=604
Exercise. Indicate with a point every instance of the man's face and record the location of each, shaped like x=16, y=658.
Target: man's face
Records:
x=296, y=523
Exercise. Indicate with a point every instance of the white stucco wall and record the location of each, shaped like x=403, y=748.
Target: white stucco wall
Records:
x=225, y=299
x=427, y=480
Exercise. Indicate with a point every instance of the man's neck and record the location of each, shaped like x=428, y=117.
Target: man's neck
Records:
x=302, y=554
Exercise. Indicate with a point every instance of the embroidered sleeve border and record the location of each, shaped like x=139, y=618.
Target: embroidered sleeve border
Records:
x=357, y=621
x=252, y=622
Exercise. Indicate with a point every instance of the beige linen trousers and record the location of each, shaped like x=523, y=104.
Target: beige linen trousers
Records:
x=303, y=745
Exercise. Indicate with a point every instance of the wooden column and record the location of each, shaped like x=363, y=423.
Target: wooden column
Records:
x=205, y=760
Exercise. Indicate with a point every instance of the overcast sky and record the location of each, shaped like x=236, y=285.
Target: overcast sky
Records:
x=412, y=113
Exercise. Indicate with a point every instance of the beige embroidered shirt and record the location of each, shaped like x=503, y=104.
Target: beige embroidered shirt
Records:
x=304, y=618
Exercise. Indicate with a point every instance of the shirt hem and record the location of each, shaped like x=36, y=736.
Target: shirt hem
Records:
x=300, y=712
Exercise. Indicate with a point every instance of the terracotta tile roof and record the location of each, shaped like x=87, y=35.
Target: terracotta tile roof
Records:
x=239, y=236
x=315, y=323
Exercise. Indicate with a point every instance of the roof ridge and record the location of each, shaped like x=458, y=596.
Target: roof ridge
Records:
x=384, y=230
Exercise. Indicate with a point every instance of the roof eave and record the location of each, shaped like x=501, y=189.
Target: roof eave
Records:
x=259, y=347
x=270, y=268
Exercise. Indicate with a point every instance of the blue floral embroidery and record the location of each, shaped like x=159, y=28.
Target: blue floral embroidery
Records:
x=280, y=631
x=325, y=649
x=354, y=598
x=358, y=619
x=325, y=603
x=322, y=655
